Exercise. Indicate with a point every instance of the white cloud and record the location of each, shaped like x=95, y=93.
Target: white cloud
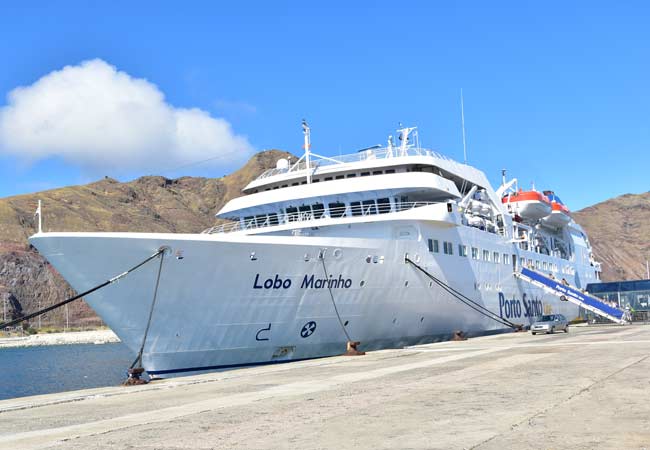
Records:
x=98, y=117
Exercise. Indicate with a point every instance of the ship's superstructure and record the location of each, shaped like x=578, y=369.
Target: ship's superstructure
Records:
x=316, y=253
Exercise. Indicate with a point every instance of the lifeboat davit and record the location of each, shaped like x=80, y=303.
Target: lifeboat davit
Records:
x=560, y=215
x=529, y=205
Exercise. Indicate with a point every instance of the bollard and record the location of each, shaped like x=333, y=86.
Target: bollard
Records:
x=352, y=349
x=134, y=377
x=459, y=336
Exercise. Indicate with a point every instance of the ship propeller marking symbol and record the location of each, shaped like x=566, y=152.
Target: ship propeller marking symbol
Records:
x=308, y=329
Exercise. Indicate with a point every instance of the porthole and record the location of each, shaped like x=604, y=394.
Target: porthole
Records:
x=306, y=257
x=368, y=259
x=394, y=321
x=406, y=284
x=430, y=283
x=421, y=319
x=337, y=253
x=362, y=283
x=346, y=323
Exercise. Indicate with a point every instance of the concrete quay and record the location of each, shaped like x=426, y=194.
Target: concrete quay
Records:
x=583, y=390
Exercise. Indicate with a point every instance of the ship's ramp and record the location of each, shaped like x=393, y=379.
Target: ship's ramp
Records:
x=573, y=295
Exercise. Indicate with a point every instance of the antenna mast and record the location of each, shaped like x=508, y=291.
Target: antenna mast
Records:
x=307, y=132
x=462, y=121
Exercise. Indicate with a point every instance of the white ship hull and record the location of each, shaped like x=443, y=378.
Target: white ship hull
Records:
x=219, y=306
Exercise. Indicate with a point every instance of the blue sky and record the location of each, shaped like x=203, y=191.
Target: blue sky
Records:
x=556, y=92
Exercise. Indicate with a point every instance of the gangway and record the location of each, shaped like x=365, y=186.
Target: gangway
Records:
x=570, y=293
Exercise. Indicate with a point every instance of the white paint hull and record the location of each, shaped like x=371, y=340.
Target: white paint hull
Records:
x=211, y=311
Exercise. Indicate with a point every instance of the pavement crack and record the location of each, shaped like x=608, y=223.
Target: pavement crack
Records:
x=530, y=419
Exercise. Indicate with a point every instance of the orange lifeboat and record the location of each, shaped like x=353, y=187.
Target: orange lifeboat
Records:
x=529, y=205
x=560, y=214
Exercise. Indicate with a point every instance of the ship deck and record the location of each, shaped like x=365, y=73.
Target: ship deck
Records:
x=584, y=389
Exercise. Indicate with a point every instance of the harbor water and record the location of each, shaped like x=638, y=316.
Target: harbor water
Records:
x=58, y=368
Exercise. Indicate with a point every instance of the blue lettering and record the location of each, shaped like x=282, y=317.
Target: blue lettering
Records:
x=255, y=284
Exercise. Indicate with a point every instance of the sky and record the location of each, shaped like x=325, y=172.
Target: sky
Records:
x=555, y=92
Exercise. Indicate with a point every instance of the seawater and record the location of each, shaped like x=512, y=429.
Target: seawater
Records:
x=58, y=368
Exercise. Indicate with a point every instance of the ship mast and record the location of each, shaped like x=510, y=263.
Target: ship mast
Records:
x=307, y=132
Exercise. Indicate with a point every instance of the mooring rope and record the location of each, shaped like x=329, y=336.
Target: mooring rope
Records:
x=466, y=300
x=153, y=304
x=329, y=288
x=76, y=297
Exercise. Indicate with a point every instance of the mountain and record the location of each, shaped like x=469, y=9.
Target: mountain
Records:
x=147, y=204
x=619, y=231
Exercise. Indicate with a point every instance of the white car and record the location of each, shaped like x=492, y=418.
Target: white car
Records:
x=550, y=324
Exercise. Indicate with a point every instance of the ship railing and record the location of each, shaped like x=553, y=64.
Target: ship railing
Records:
x=313, y=215
x=363, y=155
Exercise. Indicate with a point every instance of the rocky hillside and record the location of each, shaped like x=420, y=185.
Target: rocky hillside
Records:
x=154, y=204
x=619, y=230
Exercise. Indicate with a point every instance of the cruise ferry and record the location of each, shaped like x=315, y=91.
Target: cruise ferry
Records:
x=378, y=247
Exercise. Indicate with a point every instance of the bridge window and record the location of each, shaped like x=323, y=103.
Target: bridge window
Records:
x=292, y=213
x=319, y=210
x=337, y=209
x=474, y=253
x=383, y=204
x=369, y=207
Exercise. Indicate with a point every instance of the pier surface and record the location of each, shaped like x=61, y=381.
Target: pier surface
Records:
x=582, y=390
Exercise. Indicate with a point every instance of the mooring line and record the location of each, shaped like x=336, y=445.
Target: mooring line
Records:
x=76, y=297
x=329, y=288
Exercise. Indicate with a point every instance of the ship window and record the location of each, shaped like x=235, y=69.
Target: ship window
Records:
x=390, y=170
x=365, y=174
x=294, y=184
x=304, y=182
x=545, y=265
x=292, y=213
x=506, y=258
x=305, y=212
x=522, y=262
x=538, y=265
x=369, y=207
x=315, y=180
x=248, y=221
x=273, y=219
x=433, y=246
x=351, y=175
x=530, y=264
x=319, y=210
x=462, y=250
x=448, y=248
x=340, y=177
x=355, y=207
x=275, y=187
x=474, y=253
x=383, y=204
x=328, y=178
x=261, y=220
x=285, y=185
x=486, y=255
x=337, y=209
x=496, y=257
x=377, y=172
